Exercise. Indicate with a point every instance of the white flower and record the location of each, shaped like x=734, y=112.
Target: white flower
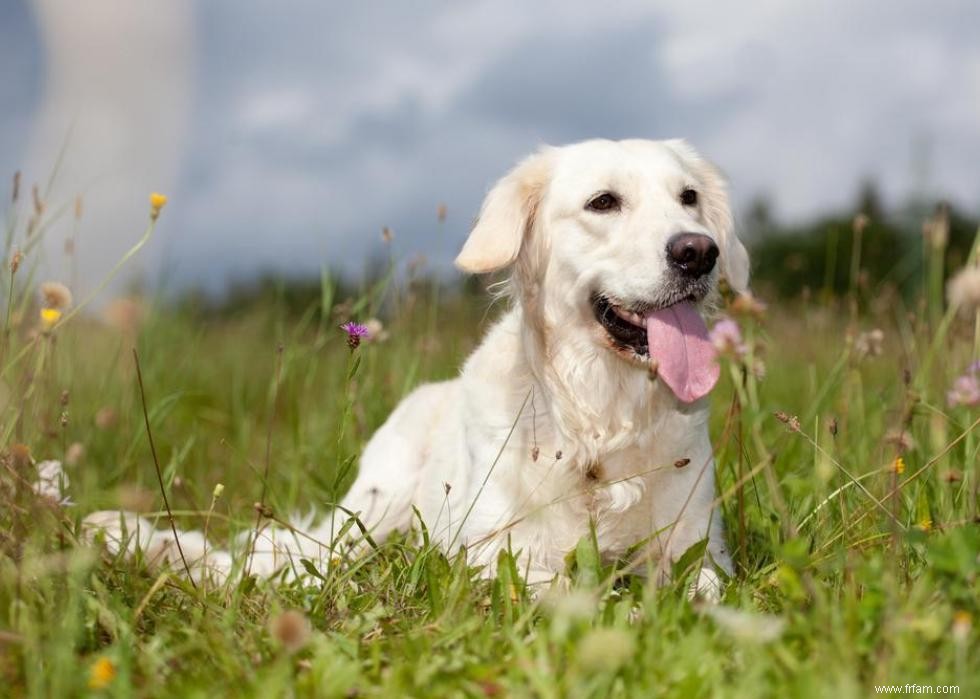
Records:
x=52, y=482
x=963, y=290
x=870, y=344
x=746, y=626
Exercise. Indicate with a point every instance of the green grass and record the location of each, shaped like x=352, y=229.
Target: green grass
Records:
x=871, y=584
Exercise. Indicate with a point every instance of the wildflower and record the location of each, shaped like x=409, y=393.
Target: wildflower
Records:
x=935, y=229
x=859, y=223
x=102, y=672
x=74, y=453
x=605, y=649
x=966, y=388
x=901, y=440
x=51, y=481
x=726, y=337
x=748, y=305
x=55, y=295
x=49, y=318
x=790, y=421
x=355, y=333
x=962, y=623
x=963, y=290
x=105, y=418
x=375, y=330
x=925, y=524
x=157, y=202
x=20, y=454
x=898, y=465
x=870, y=344
x=124, y=314
x=745, y=625
x=219, y=488
x=291, y=629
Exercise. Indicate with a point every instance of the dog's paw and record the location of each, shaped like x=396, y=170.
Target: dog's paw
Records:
x=707, y=588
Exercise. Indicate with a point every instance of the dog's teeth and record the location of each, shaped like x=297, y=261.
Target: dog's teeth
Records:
x=628, y=316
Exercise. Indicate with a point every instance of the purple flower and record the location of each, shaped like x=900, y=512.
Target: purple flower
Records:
x=355, y=333
x=965, y=391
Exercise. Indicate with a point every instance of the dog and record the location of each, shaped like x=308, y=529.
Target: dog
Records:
x=584, y=411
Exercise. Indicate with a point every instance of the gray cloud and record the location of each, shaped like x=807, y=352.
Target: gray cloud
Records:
x=310, y=129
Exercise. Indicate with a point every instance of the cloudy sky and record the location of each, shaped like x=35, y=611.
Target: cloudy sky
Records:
x=288, y=135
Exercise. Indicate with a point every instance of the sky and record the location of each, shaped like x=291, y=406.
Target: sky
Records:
x=288, y=135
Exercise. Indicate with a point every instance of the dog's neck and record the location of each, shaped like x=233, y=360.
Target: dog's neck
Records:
x=599, y=403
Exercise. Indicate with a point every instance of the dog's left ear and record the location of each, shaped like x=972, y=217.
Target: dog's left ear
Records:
x=506, y=217
x=717, y=213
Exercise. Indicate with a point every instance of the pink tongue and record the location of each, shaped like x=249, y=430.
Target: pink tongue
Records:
x=685, y=357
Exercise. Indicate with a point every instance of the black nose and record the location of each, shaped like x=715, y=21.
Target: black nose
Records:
x=693, y=254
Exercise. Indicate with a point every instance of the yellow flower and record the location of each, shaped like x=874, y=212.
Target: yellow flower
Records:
x=157, y=202
x=925, y=524
x=49, y=317
x=101, y=673
x=898, y=465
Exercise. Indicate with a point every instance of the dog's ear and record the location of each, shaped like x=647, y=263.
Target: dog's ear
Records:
x=713, y=194
x=506, y=216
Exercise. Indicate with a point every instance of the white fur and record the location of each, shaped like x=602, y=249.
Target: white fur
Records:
x=545, y=382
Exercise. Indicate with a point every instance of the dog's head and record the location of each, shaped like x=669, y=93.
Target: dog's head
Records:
x=623, y=238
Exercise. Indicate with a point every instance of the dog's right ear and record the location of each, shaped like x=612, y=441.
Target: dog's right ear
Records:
x=506, y=217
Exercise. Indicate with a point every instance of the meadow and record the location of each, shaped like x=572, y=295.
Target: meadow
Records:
x=847, y=445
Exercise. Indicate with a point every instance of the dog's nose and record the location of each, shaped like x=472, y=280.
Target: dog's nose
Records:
x=693, y=254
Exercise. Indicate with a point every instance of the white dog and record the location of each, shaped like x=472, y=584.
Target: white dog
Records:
x=584, y=407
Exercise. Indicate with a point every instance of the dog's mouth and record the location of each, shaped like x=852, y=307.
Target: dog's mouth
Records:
x=669, y=338
x=626, y=324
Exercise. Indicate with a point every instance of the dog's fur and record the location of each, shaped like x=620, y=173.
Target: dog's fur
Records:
x=550, y=429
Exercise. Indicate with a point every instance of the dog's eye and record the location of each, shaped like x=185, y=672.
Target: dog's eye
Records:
x=604, y=202
x=689, y=197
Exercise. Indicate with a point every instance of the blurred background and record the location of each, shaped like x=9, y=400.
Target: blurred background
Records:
x=289, y=137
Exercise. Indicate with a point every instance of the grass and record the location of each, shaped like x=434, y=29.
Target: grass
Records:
x=853, y=570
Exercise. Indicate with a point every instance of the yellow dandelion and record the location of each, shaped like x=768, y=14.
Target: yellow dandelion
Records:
x=56, y=295
x=157, y=202
x=101, y=673
x=898, y=465
x=49, y=318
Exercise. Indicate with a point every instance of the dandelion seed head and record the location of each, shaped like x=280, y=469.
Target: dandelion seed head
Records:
x=55, y=295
